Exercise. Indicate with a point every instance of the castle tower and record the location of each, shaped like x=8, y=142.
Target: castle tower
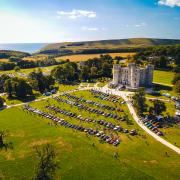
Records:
x=134, y=75
x=149, y=75
x=116, y=73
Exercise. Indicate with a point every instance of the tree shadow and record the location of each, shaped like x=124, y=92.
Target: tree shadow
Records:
x=159, y=87
x=24, y=100
x=6, y=146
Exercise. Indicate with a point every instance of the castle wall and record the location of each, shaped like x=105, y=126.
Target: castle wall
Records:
x=133, y=76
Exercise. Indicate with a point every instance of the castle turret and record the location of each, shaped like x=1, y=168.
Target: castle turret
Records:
x=116, y=72
x=134, y=75
x=149, y=75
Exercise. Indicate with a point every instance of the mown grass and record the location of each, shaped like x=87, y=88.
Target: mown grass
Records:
x=163, y=77
x=140, y=157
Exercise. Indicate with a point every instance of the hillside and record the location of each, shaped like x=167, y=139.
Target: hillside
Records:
x=8, y=53
x=104, y=46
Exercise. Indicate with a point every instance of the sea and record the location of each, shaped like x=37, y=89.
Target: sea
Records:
x=24, y=47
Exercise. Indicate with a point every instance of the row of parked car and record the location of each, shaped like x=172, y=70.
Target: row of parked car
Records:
x=104, y=96
x=104, y=123
x=90, y=109
x=151, y=124
x=89, y=102
x=116, y=128
x=62, y=122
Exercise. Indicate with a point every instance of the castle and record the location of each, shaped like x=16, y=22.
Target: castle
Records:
x=133, y=76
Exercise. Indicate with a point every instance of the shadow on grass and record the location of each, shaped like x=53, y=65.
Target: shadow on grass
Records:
x=159, y=87
x=6, y=146
x=24, y=100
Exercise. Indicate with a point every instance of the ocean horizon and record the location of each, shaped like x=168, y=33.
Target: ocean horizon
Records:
x=24, y=47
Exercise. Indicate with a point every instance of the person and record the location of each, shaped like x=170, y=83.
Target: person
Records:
x=116, y=155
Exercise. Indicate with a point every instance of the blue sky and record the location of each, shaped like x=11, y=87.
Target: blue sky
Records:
x=78, y=20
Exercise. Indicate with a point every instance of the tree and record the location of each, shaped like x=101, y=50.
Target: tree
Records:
x=8, y=87
x=40, y=82
x=93, y=72
x=58, y=73
x=106, y=69
x=47, y=164
x=140, y=100
x=85, y=73
x=2, y=135
x=176, y=78
x=1, y=102
x=17, y=69
x=22, y=88
x=3, y=78
x=159, y=106
x=177, y=87
x=18, y=87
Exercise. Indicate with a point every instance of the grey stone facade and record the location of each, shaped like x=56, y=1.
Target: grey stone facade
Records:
x=133, y=76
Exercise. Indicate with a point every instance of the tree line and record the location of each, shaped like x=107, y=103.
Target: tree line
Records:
x=24, y=64
x=162, y=57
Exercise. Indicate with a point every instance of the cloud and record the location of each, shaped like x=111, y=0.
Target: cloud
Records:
x=90, y=28
x=74, y=14
x=140, y=25
x=85, y=28
x=143, y=24
x=171, y=3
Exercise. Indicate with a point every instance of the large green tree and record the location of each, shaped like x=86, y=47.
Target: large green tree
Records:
x=1, y=102
x=8, y=87
x=22, y=88
x=47, y=163
x=177, y=87
x=159, y=106
x=139, y=101
x=41, y=82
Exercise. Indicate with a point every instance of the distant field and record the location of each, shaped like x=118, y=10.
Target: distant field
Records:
x=35, y=58
x=163, y=77
x=4, y=60
x=85, y=57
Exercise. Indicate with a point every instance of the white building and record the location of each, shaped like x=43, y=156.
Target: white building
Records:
x=133, y=76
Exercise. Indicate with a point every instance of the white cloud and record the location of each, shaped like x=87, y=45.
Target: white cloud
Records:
x=140, y=25
x=171, y=3
x=74, y=14
x=90, y=28
x=143, y=24
x=85, y=28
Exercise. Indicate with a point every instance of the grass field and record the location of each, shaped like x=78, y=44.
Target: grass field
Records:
x=85, y=57
x=35, y=58
x=163, y=77
x=4, y=60
x=140, y=157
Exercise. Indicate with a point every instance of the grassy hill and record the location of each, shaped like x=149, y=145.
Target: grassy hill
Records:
x=8, y=53
x=104, y=46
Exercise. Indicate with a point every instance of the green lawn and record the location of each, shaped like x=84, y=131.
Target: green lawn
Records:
x=140, y=157
x=164, y=77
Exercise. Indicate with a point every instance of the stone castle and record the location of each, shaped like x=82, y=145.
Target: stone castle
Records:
x=133, y=76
